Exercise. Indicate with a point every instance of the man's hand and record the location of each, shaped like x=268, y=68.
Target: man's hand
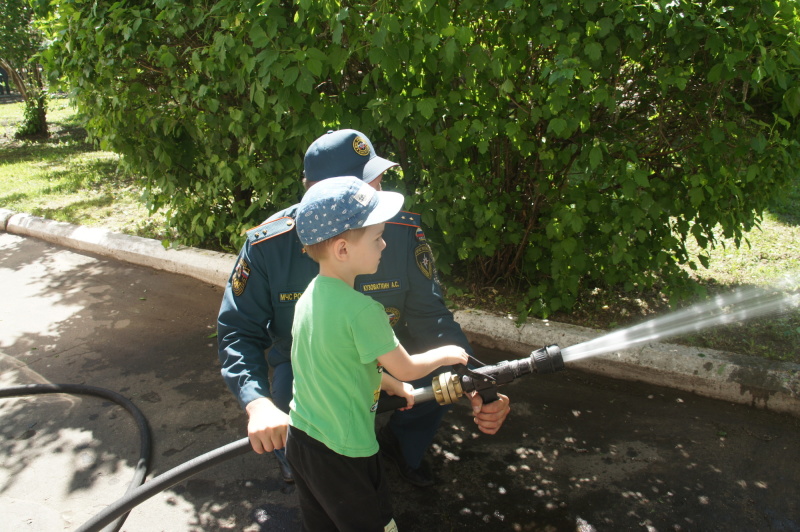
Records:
x=267, y=425
x=489, y=417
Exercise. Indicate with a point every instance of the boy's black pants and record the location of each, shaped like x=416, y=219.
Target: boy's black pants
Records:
x=337, y=492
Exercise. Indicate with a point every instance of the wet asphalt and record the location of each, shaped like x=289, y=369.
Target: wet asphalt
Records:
x=578, y=452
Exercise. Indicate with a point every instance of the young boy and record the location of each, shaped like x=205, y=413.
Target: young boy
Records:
x=342, y=342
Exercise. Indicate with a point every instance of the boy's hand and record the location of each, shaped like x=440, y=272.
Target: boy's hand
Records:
x=461, y=357
x=451, y=355
x=407, y=391
x=489, y=417
x=393, y=386
x=267, y=425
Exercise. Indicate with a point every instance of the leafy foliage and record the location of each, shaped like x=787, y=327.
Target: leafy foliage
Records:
x=20, y=41
x=553, y=146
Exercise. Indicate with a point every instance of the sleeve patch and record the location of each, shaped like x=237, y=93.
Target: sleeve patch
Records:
x=240, y=276
x=424, y=257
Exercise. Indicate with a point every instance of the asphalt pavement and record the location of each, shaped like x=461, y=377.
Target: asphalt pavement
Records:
x=603, y=445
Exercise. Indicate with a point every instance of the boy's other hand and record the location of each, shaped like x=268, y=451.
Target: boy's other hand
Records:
x=267, y=426
x=452, y=355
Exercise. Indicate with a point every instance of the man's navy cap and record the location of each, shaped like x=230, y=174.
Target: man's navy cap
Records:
x=339, y=204
x=343, y=152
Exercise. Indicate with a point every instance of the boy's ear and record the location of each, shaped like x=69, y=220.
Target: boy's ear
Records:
x=339, y=249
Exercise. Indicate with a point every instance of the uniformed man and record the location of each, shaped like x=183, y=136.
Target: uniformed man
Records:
x=271, y=273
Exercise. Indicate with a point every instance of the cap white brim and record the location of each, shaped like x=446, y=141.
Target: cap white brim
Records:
x=375, y=167
x=389, y=204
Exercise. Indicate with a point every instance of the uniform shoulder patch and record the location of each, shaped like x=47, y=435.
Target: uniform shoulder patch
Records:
x=410, y=219
x=270, y=229
x=240, y=276
x=424, y=257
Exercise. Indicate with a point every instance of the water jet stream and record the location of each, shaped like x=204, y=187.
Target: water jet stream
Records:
x=739, y=305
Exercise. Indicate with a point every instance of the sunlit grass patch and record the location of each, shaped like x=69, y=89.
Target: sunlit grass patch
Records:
x=65, y=178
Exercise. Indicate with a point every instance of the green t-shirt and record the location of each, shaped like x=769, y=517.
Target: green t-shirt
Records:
x=338, y=333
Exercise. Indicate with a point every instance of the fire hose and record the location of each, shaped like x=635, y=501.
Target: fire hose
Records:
x=140, y=471
x=446, y=388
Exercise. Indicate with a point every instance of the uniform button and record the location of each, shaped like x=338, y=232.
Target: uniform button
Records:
x=289, y=223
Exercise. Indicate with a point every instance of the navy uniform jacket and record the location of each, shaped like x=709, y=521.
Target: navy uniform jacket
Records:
x=271, y=273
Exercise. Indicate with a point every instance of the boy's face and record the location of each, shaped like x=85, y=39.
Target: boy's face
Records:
x=366, y=251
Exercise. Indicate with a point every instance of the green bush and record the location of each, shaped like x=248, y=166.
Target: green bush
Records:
x=553, y=146
x=34, y=119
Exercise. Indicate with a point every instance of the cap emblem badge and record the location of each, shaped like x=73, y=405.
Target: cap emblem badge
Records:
x=360, y=146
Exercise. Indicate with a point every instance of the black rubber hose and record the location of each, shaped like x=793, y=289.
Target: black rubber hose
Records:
x=195, y=465
x=140, y=471
x=164, y=481
x=139, y=492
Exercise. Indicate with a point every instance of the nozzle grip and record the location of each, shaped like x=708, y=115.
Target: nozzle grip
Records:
x=489, y=395
x=547, y=359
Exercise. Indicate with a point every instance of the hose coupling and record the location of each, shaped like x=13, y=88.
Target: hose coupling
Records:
x=447, y=388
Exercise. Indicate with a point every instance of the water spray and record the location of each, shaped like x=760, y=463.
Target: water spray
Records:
x=739, y=305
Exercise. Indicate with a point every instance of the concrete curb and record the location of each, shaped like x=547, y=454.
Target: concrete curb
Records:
x=208, y=266
x=5, y=215
x=730, y=377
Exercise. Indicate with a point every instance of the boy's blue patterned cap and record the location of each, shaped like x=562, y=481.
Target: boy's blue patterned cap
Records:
x=339, y=204
x=343, y=152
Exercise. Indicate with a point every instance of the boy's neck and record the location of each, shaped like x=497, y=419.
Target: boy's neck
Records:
x=330, y=268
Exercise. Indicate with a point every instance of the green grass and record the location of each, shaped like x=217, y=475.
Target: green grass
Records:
x=65, y=178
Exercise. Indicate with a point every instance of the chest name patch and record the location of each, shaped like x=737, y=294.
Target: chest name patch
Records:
x=380, y=286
